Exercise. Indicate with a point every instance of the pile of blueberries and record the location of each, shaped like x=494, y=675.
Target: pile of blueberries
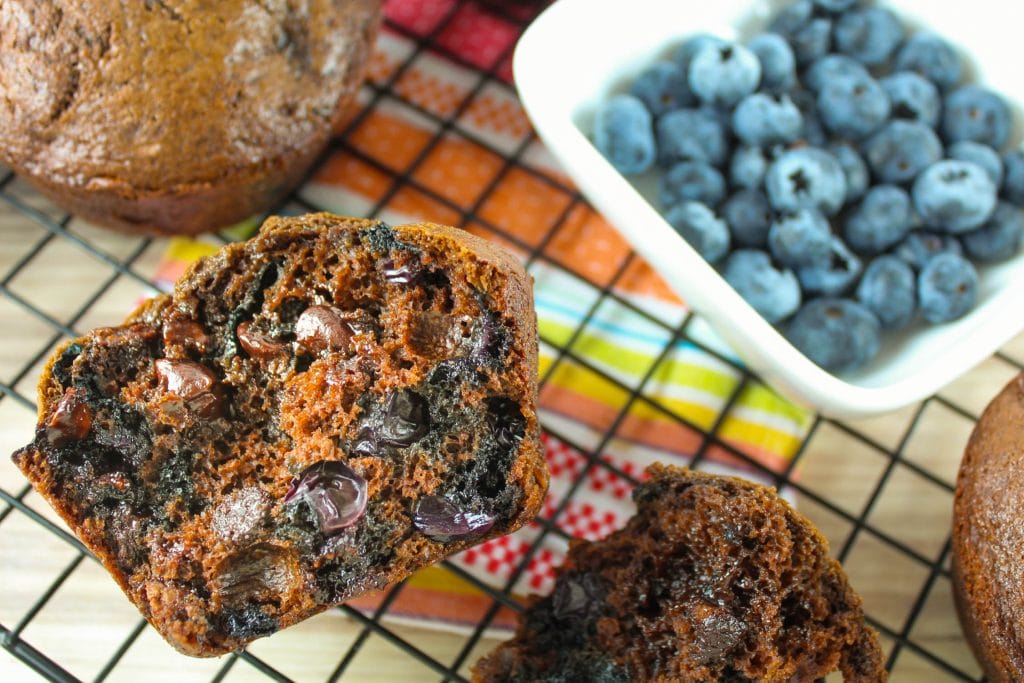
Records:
x=835, y=169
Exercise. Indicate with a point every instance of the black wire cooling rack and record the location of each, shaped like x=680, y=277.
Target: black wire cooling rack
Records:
x=846, y=476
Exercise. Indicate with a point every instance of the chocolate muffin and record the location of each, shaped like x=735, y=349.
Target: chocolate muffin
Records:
x=312, y=414
x=713, y=579
x=175, y=116
x=988, y=537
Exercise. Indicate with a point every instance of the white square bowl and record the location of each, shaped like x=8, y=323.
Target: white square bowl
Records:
x=579, y=52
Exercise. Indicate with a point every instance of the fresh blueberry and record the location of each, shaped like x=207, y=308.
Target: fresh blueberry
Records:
x=791, y=18
x=999, y=238
x=778, y=65
x=662, y=87
x=749, y=216
x=705, y=232
x=623, y=134
x=840, y=270
x=691, y=134
x=765, y=119
x=947, y=288
x=829, y=68
x=955, y=196
x=913, y=97
x=868, y=34
x=854, y=168
x=837, y=334
x=932, y=57
x=1013, y=176
x=691, y=46
x=801, y=238
x=773, y=293
x=975, y=113
x=881, y=220
x=979, y=154
x=835, y=6
x=853, y=106
x=901, y=150
x=812, y=133
x=806, y=177
x=691, y=181
x=747, y=167
x=889, y=290
x=724, y=74
x=813, y=41
x=920, y=247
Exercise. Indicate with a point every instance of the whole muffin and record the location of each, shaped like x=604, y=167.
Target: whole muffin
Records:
x=988, y=537
x=714, y=579
x=175, y=116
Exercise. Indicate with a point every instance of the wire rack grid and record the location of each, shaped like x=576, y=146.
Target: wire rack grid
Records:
x=879, y=489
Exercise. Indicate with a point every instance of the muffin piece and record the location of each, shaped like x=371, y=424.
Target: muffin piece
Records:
x=312, y=414
x=175, y=117
x=714, y=579
x=988, y=537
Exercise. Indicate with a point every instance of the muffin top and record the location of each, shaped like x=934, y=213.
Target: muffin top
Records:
x=159, y=94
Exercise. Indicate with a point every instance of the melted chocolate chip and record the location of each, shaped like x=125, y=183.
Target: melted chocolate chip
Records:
x=185, y=378
x=186, y=333
x=406, y=419
x=438, y=518
x=335, y=493
x=257, y=344
x=71, y=420
x=322, y=328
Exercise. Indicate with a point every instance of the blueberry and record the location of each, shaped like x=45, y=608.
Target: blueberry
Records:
x=336, y=494
x=975, y=113
x=691, y=46
x=623, y=134
x=837, y=334
x=792, y=18
x=868, y=34
x=505, y=420
x=888, y=289
x=854, y=168
x=829, y=68
x=691, y=134
x=439, y=519
x=691, y=181
x=835, y=6
x=947, y=288
x=699, y=226
x=955, y=196
x=764, y=119
x=979, y=154
x=901, y=150
x=800, y=238
x=932, y=57
x=778, y=65
x=773, y=293
x=747, y=167
x=406, y=419
x=749, y=216
x=724, y=74
x=1013, y=176
x=662, y=87
x=813, y=41
x=840, y=270
x=806, y=177
x=853, y=106
x=812, y=133
x=999, y=238
x=920, y=247
x=913, y=97
x=881, y=220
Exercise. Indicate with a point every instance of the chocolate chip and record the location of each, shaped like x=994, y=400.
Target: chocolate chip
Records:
x=185, y=378
x=71, y=420
x=321, y=328
x=257, y=344
x=186, y=333
x=406, y=419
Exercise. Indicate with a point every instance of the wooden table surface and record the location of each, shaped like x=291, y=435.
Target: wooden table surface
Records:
x=86, y=619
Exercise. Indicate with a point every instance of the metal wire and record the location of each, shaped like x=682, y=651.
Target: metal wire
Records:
x=48, y=664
